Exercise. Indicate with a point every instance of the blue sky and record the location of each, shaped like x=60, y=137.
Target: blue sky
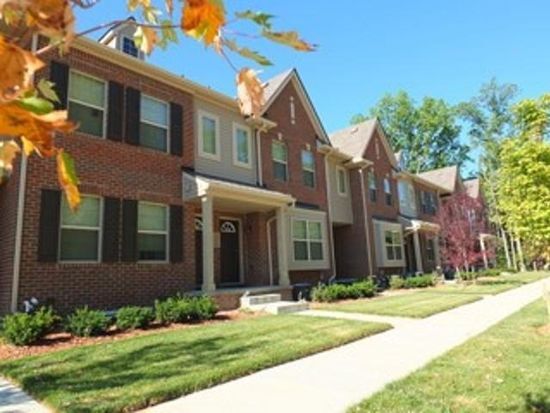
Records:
x=368, y=48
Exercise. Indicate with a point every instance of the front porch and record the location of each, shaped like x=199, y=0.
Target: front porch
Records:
x=240, y=238
x=421, y=243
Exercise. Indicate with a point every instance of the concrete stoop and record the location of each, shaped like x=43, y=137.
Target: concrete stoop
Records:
x=272, y=303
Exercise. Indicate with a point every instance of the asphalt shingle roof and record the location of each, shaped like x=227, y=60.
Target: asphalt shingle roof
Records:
x=444, y=177
x=354, y=139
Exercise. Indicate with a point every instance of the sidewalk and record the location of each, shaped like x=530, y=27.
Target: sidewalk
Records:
x=332, y=381
x=14, y=400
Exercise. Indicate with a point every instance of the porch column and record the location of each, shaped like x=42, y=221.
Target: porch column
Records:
x=436, y=250
x=483, y=251
x=417, y=253
x=208, y=284
x=282, y=245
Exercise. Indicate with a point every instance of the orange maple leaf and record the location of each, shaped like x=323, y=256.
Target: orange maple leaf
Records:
x=203, y=19
x=67, y=178
x=250, y=93
x=54, y=18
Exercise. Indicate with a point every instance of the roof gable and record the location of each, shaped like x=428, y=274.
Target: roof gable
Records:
x=447, y=177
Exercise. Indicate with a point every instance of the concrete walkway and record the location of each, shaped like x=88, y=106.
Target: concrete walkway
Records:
x=332, y=381
x=14, y=400
x=394, y=321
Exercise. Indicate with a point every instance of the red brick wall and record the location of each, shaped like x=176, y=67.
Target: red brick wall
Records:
x=119, y=170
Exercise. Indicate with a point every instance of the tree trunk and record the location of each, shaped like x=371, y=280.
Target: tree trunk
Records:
x=505, y=244
x=513, y=249
x=520, y=256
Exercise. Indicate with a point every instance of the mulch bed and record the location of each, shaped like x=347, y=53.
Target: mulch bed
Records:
x=61, y=341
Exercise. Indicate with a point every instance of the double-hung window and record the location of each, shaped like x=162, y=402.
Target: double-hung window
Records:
x=154, y=124
x=209, y=139
x=394, y=247
x=80, y=231
x=387, y=191
x=129, y=47
x=242, y=147
x=152, y=232
x=430, y=249
x=371, y=177
x=279, y=155
x=308, y=168
x=342, y=181
x=87, y=97
x=308, y=240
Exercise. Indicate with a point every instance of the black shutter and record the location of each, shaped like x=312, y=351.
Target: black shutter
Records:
x=111, y=221
x=48, y=237
x=176, y=233
x=116, y=110
x=176, y=129
x=59, y=74
x=133, y=106
x=129, y=230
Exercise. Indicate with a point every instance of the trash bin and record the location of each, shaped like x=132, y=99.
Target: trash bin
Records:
x=302, y=290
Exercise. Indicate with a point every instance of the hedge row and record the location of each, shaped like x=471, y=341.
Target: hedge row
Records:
x=335, y=292
x=419, y=281
x=23, y=329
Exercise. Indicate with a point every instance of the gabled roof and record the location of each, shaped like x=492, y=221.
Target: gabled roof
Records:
x=444, y=177
x=274, y=86
x=354, y=139
x=472, y=187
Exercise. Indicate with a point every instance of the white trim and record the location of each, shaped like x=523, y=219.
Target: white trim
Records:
x=155, y=232
x=157, y=125
x=133, y=41
x=238, y=126
x=259, y=157
x=241, y=248
x=98, y=229
x=340, y=169
x=204, y=114
x=79, y=102
x=307, y=240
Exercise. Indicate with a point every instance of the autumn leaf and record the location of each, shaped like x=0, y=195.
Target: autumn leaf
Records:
x=203, y=19
x=54, y=18
x=291, y=39
x=146, y=38
x=38, y=130
x=261, y=19
x=68, y=179
x=18, y=67
x=250, y=93
x=247, y=53
x=169, y=6
x=8, y=152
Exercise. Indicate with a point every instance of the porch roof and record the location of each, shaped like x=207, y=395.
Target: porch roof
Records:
x=233, y=195
x=413, y=225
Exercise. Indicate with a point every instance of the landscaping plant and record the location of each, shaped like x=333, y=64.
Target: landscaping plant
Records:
x=180, y=309
x=131, y=318
x=85, y=322
x=335, y=292
x=22, y=329
x=418, y=281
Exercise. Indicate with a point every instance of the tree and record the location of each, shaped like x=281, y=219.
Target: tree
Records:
x=427, y=135
x=462, y=221
x=490, y=120
x=27, y=115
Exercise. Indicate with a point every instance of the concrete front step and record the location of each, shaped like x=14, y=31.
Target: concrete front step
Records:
x=281, y=307
x=250, y=300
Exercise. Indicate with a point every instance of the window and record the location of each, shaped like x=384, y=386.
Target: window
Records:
x=209, y=145
x=342, y=180
x=279, y=155
x=129, y=47
x=372, y=186
x=80, y=231
x=394, y=248
x=428, y=201
x=308, y=240
x=152, y=232
x=430, y=249
x=387, y=191
x=87, y=103
x=407, y=200
x=241, y=146
x=308, y=168
x=154, y=124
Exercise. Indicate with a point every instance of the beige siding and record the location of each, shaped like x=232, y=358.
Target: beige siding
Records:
x=312, y=215
x=380, y=246
x=224, y=167
x=340, y=204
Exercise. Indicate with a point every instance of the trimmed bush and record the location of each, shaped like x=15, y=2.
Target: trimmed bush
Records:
x=88, y=323
x=22, y=329
x=419, y=281
x=335, y=292
x=181, y=309
x=397, y=282
x=131, y=318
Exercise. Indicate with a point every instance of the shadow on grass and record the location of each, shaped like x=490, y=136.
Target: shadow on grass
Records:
x=538, y=403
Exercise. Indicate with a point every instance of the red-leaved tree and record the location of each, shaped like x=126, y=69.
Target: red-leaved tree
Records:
x=462, y=220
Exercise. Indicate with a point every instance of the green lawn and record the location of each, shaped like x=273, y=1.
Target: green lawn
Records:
x=418, y=304
x=525, y=277
x=134, y=373
x=505, y=369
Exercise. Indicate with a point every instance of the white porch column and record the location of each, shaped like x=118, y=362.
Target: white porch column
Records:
x=417, y=253
x=483, y=251
x=208, y=284
x=282, y=246
x=436, y=248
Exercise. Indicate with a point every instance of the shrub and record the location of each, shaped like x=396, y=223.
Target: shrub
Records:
x=131, y=318
x=420, y=281
x=22, y=329
x=185, y=309
x=335, y=292
x=88, y=323
x=397, y=282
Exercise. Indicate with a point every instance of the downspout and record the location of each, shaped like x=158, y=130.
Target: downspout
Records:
x=259, y=157
x=365, y=217
x=19, y=217
x=331, y=228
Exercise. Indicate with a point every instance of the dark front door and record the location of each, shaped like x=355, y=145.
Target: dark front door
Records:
x=410, y=255
x=229, y=251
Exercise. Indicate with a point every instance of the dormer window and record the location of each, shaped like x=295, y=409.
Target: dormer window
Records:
x=129, y=46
